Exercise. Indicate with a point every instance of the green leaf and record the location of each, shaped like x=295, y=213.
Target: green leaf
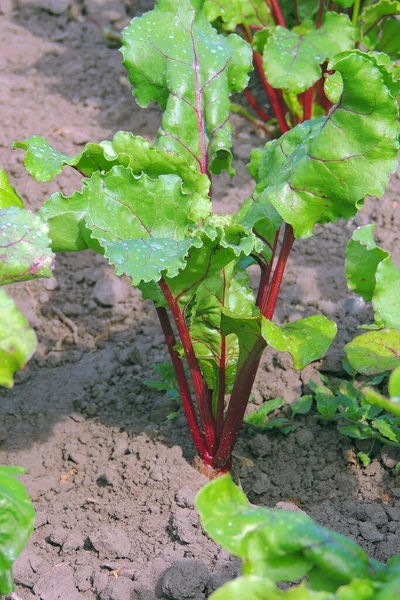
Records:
x=327, y=402
x=228, y=288
x=372, y=15
x=376, y=399
x=175, y=58
x=248, y=587
x=280, y=545
x=302, y=405
x=232, y=13
x=16, y=523
x=24, y=246
x=374, y=352
x=248, y=332
x=141, y=236
x=17, y=340
x=394, y=385
x=345, y=3
x=125, y=150
x=257, y=417
x=387, y=293
x=303, y=173
x=362, y=258
x=387, y=429
x=356, y=431
x=364, y=458
x=292, y=60
x=306, y=340
x=389, y=41
x=8, y=195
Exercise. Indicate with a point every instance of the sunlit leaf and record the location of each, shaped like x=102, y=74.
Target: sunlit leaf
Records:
x=16, y=523
x=8, y=195
x=322, y=169
x=306, y=340
x=24, y=246
x=374, y=352
x=175, y=58
x=292, y=60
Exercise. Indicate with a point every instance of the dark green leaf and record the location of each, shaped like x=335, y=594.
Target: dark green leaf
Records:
x=17, y=341
x=292, y=60
x=175, y=58
x=374, y=352
x=16, y=523
x=306, y=340
x=327, y=403
x=386, y=295
x=302, y=173
x=24, y=246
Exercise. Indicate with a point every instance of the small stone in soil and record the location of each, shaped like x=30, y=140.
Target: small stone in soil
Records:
x=183, y=580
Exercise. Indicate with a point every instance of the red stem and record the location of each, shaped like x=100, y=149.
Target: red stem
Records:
x=276, y=9
x=271, y=93
x=272, y=296
x=253, y=102
x=183, y=385
x=320, y=13
x=265, y=276
x=237, y=405
x=221, y=390
x=307, y=103
x=199, y=386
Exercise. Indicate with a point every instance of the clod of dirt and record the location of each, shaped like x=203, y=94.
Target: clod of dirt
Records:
x=185, y=579
x=110, y=542
x=58, y=584
x=109, y=290
x=119, y=589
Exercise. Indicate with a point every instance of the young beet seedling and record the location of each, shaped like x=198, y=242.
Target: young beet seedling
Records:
x=148, y=208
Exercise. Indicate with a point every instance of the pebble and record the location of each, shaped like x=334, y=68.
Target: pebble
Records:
x=289, y=506
x=51, y=284
x=262, y=484
x=185, y=497
x=54, y=7
x=305, y=437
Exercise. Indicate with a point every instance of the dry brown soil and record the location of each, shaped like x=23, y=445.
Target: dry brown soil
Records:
x=109, y=474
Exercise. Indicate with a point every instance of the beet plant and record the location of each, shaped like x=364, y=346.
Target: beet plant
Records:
x=148, y=207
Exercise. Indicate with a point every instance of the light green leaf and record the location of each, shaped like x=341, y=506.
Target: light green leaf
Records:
x=232, y=13
x=394, y=385
x=302, y=406
x=292, y=60
x=248, y=332
x=8, y=195
x=24, y=246
x=362, y=259
x=333, y=87
x=16, y=523
x=364, y=458
x=374, y=352
x=248, y=587
x=322, y=169
x=17, y=341
x=175, y=58
x=43, y=162
x=257, y=417
x=306, y=340
x=280, y=545
x=229, y=289
x=387, y=293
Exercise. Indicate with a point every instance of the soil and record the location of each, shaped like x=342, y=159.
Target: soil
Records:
x=110, y=475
